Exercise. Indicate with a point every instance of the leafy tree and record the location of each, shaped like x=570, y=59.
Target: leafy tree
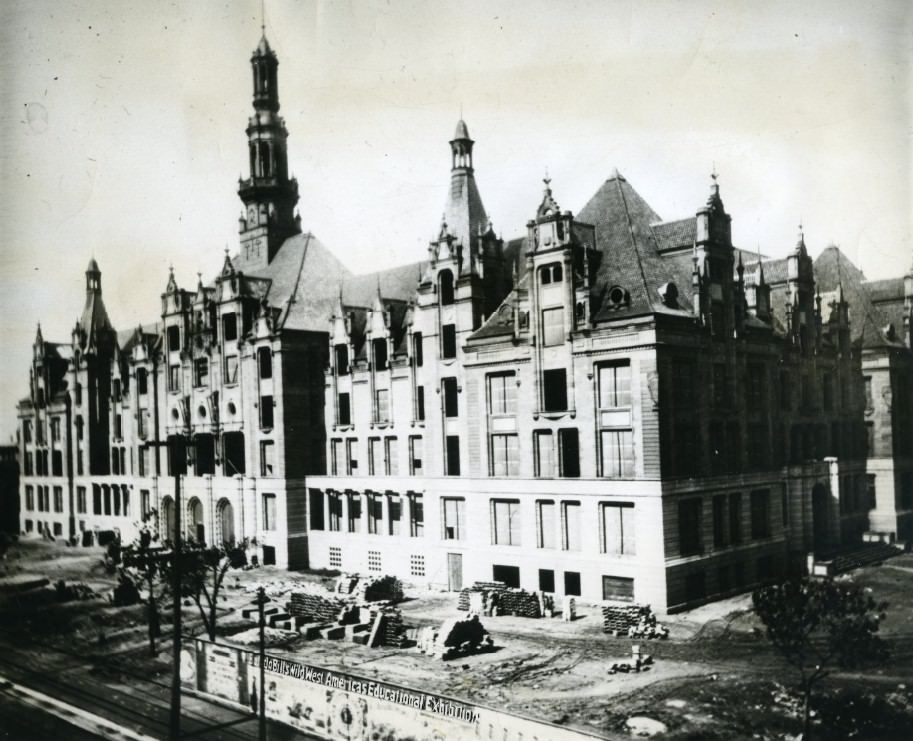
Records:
x=203, y=570
x=819, y=625
x=143, y=563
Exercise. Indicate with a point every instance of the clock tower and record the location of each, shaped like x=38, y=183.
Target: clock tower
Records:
x=269, y=194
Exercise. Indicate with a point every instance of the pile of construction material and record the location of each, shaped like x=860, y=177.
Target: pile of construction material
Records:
x=455, y=638
x=356, y=609
x=496, y=598
x=639, y=662
x=634, y=621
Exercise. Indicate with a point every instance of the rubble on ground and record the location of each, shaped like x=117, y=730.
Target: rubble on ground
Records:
x=455, y=638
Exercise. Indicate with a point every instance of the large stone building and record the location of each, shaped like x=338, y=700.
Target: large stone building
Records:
x=613, y=405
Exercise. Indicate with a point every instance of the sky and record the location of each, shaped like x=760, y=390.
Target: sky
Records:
x=122, y=132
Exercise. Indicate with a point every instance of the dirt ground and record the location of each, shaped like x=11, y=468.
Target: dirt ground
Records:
x=714, y=678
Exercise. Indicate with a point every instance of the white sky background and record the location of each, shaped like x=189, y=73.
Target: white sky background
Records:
x=123, y=131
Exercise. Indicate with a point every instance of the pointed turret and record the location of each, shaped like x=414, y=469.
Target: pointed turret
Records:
x=94, y=320
x=464, y=213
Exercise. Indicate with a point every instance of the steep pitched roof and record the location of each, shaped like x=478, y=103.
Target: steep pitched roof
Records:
x=397, y=283
x=630, y=259
x=464, y=213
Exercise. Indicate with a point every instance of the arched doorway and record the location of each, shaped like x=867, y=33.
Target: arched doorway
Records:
x=820, y=517
x=195, y=527
x=167, y=518
x=226, y=522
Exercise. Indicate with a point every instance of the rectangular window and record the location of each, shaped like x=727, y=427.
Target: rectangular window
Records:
x=453, y=455
x=547, y=580
x=266, y=412
x=55, y=430
x=106, y=496
x=618, y=588
x=418, y=352
x=315, y=509
x=416, y=516
x=451, y=406
x=341, y=354
x=614, y=386
x=617, y=450
x=231, y=369
x=27, y=431
x=265, y=362
x=382, y=406
x=553, y=327
x=57, y=462
x=618, y=529
x=867, y=384
x=448, y=341
x=174, y=339
x=352, y=457
x=391, y=457
x=569, y=449
x=505, y=455
x=29, y=468
x=174, y=378
x=269, y=511
x=544, y=453
x=335, y=457
x=145, y=503
x=96, y=500
x=760, y=514
x=572, y=583
x=201, y=371
x=420, y=403
x=334, y=501
x=354, y=501
x=570, y=526
x=229, y=327
x=720, y=388
x=554, y=392
x=687, y=449
x=507, y=575
x=335, y=557
x=683, y=391
x=343, y=410
x=375, y=461
x=142, y=381
x=415, y=455
x=502, y=394
x=29, y=498
x=505, y=522
x=545, y=523
x=786, y=389
x=395, y=513
x=755, y=387
x=118, y=427
x=719, y=521
x=735, y=518
x=267, y=458
x=379, y=350
x=81, y=500
x=454, y=518
x=142, y=424
x=375, y=513
x=690, y=527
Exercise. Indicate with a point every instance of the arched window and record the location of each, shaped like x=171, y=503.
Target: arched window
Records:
x=195, y=528
x=550, y=273
x=167, y=518
x=226, y=522
x=446, y=287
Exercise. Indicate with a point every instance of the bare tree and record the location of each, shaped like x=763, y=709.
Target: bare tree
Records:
x=142, y=562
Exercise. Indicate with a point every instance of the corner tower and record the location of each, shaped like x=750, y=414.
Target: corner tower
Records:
x=269, y=195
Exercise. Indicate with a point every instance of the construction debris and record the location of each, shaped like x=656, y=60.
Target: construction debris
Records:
x=455, y=638
x=637, y=663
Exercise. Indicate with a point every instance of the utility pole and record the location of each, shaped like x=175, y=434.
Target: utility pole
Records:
x=178, y=458
x=261, y=601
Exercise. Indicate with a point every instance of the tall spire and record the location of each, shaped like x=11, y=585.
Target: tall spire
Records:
x=269, y=194
x=464, y=213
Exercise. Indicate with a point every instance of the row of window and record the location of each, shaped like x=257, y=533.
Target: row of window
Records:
x=727, y=520
x=201, y=367
x=557, y=524
x=43, y=503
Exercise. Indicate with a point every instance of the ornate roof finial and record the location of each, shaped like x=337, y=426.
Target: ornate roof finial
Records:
x=263, y=16
x=547, y=180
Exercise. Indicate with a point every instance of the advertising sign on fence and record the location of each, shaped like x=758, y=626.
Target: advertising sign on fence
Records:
x=339, y=705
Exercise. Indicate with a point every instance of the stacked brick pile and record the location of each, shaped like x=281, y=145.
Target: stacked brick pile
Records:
x=479, y=586
x=381, y=589
x=519, y=602
x=313, y=607
x=633, y=620
x=393, y=631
